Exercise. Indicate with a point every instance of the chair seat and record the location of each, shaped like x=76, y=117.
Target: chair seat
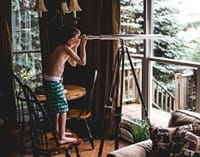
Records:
x=78, y=114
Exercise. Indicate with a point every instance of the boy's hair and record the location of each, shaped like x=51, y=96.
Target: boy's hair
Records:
x=67, y=33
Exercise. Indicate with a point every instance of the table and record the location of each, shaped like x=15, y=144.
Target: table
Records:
x=73, y=92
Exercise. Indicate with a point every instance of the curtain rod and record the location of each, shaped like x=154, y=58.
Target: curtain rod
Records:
x=123, y=36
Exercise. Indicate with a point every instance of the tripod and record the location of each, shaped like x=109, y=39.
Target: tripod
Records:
x=111, y=103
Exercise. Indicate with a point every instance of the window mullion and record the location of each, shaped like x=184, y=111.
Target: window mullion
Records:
x=148, y=49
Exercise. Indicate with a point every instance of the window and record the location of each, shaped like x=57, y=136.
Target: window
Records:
x=169, y=65
x=26, y=42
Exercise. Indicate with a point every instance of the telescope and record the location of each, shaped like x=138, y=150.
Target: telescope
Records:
x=124, y=37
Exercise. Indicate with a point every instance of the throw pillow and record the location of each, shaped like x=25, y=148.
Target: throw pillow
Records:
x=185, y=144
x=194, y=128
x=183, y=141
x=162, y=141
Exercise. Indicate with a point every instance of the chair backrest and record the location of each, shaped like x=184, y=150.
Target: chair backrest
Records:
x=91, y=94
x=21, y=106
x=18, y=85
x=41, y=126
x=2, y=106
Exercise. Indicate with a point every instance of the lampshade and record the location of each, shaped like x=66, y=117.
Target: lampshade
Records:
x=74, y=6
x=40, y=6
x=64, y=7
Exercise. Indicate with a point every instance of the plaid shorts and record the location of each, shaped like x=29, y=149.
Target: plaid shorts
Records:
x=56, y=101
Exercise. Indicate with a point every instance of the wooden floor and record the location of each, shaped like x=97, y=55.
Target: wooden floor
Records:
x=84, y=148
x=157, y=117
x=10, y=142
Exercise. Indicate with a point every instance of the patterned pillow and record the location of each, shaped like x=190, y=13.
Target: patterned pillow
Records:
x=194, y=128
x=162, y=141
x=185, y=144
x=183, y=141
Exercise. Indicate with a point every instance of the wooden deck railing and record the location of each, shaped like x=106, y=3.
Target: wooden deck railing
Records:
x=162, y=98
x=185, y=91
x=130, y=94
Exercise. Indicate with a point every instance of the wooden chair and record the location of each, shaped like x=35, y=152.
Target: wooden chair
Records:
x=83, y=113
x=22, y=112
x=43, y=134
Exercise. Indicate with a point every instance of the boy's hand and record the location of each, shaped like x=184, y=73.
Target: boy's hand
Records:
x=83, y=39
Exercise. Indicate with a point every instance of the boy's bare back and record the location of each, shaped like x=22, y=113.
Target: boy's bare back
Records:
x=57, y=60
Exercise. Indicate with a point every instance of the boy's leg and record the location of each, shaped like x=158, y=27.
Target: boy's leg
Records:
x=62, y=127
x=62, y=124
x=56, y=122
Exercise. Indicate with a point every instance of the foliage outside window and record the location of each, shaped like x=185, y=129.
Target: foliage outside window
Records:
x=132, y=23
x=26, y=42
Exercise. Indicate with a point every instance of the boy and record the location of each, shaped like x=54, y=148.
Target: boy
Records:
x=65, y=52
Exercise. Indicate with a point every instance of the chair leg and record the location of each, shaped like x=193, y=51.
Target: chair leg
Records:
x=67, y=153
x=35, y=153
x=22, y=143
x=23, y=124
x=77, y=151
x=49, y=155
x=89, y=133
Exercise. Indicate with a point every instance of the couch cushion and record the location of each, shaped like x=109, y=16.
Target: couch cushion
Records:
x=140, y=149
x=183, y=117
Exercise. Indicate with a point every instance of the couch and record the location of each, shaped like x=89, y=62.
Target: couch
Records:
x=144, y=149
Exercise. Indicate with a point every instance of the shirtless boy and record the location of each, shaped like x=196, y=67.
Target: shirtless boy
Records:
x=56, y=101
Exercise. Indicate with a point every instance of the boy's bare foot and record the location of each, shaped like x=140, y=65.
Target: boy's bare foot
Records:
x=67, y=140
x=68, y=134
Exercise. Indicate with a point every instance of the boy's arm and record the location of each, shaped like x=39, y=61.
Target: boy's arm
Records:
x=74, y=58
x=71, y=61
x=83, y=48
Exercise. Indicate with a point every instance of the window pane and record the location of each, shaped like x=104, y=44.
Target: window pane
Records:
x=179, y=21
x=131, y=22
x=131, y=100
x=26, y=42
x=25, y=26
x=28, y=67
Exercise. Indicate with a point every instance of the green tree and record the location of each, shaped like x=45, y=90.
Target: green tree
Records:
x=196, y=54
x=132, y=22
x=166, y=23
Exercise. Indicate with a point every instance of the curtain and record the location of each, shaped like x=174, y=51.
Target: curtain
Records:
x=6, y=81
x=44, y=38
x=97, y=17
x=101, y=17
